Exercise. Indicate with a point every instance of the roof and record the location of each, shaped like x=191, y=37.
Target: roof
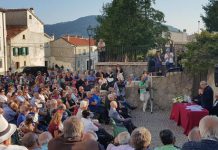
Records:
x=14, y=30
x=172, y=29
x=78, y=41
x=22, y=9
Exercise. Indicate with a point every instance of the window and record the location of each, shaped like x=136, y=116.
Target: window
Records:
x=23, y=51
x=84, y=52
x=30, y=16
x=15, y=51
x=24, y=63
x=24, y=37
x=1, y=65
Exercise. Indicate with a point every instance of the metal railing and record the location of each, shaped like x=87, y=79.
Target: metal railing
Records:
x=123, y=53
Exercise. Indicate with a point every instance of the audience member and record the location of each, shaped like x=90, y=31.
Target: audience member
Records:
x=72, y=137
x=140, y=139
x=168, y=140
x=208, y=127
x=194, y=135
x=30, y=141
x=121, y=142
x=44, y=138
x=6, y=131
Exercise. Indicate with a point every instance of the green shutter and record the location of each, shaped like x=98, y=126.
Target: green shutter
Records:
x=15, y=51
x=23, y=51
x=20, y=51
x=27, y=51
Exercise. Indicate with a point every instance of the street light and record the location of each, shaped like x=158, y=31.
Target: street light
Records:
x=90, y=33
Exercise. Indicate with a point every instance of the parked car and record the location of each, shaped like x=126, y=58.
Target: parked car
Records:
x=33, y=70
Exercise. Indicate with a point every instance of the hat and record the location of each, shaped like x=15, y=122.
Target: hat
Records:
x=6, y=129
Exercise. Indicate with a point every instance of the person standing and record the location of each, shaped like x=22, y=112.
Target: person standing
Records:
x=168, y=57
x=158, y=63
x=143, y=90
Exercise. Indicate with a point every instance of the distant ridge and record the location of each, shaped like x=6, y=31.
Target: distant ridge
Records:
x=76, y=27
x=79, y=26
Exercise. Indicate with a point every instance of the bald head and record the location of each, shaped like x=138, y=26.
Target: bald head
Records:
x=208, y=127
x=194, y=135
x=113, y=104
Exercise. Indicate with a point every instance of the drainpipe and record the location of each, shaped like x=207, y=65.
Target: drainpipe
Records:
x=75, y=57
x=4, y=43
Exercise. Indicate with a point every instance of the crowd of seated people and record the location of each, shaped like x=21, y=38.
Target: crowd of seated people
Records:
x=69, y=110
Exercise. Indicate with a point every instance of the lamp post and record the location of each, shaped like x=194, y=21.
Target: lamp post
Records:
x=90, y=32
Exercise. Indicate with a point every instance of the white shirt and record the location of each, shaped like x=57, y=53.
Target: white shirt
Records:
x=21, y=99
x=79, y=113
x=169, y=57
x=3, y=98
x=42, y=98
x=12, y=147
x=120, y=147
x=89, y=125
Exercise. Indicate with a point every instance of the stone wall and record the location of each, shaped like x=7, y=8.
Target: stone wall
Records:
x=135, y=68
x=165, y=88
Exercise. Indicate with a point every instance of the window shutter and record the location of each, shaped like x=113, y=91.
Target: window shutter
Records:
x=19, y=51
x=23, y=51
x=15, y=51
x=27, y=51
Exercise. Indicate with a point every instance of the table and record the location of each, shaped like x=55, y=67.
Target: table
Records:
x=186, y=118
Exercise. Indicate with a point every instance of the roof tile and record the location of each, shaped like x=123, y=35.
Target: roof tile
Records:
x=78, y=41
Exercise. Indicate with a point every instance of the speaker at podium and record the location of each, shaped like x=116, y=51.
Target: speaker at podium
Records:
x=216, y=75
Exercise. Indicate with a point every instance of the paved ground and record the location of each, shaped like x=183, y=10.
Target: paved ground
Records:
x=156, y=122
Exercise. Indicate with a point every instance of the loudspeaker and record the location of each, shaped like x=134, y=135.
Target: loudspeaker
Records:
x=216, y=75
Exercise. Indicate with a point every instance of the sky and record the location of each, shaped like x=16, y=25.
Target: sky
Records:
x=182, y=14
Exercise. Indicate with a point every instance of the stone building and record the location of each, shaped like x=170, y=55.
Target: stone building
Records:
x=73, y=52
x=26, y=39
x=3, y=50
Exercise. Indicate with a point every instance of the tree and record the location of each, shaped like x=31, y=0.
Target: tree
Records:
x=131, y=23
x=211, y=16
x=202, y=54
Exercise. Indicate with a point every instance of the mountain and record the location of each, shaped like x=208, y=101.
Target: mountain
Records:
x=76, y=27
x=79, y=27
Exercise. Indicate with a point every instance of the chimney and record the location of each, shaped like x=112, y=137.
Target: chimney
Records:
x=32, y=10
x=52, y=37
x=68, y=37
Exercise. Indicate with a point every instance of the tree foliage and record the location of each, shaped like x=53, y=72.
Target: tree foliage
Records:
x=211, y=16
x=202, y=54
x=131, y=23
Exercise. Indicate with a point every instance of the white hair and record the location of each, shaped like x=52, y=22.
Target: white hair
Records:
x=203, y=83
x=123, y=138
x=194, y=134
x=44, y=138
x=83, y=104
x=208, y=127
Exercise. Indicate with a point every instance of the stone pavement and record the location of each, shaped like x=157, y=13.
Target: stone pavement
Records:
x=156, y=122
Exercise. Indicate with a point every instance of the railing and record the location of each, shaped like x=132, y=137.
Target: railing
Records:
x=123, y=54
